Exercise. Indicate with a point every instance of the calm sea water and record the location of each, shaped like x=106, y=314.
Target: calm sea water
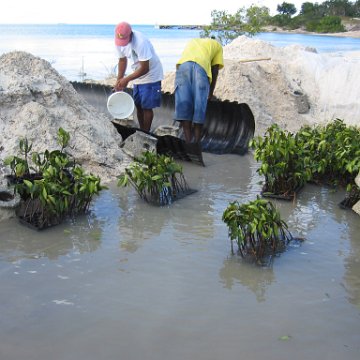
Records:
x=73, y=49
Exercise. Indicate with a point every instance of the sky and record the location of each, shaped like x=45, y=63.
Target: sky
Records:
x=171, y=12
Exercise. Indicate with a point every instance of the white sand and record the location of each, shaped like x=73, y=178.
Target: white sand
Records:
x=35, y=101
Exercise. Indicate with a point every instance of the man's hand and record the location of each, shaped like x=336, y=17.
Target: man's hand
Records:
x=121, y=84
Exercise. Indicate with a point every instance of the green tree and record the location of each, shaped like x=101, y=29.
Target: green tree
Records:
x=286, y=8
x=311, y=10
x=225, y=26
x=323, y=17
x=338, y=8
x=356, y=8
x=256, y=18
x=282, y=20
x=307, y=8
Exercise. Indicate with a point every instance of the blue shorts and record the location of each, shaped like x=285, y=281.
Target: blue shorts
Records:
x=192, y=88
x=147, y=96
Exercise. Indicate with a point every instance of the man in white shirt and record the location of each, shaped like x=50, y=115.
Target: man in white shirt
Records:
x=147, y=71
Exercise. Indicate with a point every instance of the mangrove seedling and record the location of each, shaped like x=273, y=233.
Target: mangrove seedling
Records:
x=282, y=162
x=58, y=187
x=333, y=151
x=257, y=229
x=156, y=178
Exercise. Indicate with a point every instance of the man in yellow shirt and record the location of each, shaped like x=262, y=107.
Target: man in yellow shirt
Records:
x=196, y=75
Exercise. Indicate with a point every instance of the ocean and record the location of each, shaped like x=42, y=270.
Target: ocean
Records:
x=87, y=51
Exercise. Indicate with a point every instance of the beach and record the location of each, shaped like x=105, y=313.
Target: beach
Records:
x=137, y=281
x=350, y=34
x=292, y=86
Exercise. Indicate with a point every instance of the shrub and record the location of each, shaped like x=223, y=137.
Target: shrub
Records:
x=51, y=185
x=326, y=24
x=257, y=229
x=156, y=178
x=282, y=162
x=330, y=24
x=333, y=156
x=332, y=152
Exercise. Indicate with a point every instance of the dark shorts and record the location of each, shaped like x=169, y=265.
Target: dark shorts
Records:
x=147, y=96
x=191, y=93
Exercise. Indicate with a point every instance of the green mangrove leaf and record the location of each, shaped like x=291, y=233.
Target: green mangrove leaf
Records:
x=284, y=338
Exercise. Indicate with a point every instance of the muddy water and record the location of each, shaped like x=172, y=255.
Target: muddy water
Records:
x=132, y=281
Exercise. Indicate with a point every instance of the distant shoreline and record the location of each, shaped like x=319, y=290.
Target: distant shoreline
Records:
x=181, y=27
x=351, y=34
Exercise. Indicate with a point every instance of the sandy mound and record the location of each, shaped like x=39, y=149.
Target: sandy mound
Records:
x=35, y=101
x=297, y=86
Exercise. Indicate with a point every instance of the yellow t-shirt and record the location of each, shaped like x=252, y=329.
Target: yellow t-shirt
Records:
x=205, y=52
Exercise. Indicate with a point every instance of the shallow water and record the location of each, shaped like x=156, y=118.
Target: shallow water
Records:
x=134, y=281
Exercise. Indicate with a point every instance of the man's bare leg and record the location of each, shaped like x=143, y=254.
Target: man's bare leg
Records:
x=187, y=129
x=148, y=115
x=197, y=132
x=145, y=118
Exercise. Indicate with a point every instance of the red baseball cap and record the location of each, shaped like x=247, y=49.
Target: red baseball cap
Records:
x=122, y=34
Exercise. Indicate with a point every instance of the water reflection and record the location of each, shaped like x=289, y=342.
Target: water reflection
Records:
x=19, y=242
x=139, y=220
x=352, y=262
x=202, y=211
x=193, y=217
x=255, y=278
x=313, y=203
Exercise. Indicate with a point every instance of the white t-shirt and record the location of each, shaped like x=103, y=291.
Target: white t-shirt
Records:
x=141, y=49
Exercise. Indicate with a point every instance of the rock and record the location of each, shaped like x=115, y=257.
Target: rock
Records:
x=137, y=143
x=167, y=130
x=356, y=207
x=8, y=203
x=357, y=180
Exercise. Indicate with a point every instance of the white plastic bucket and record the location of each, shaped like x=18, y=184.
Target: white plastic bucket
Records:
x=120, y=105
